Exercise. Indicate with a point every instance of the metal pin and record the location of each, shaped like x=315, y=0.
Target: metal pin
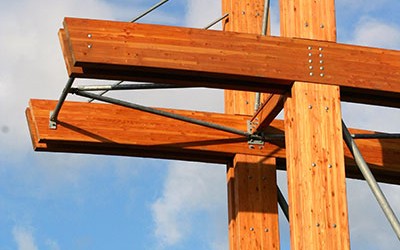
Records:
x=329, y=165
x=310, y=67
x=311, y=74
x=320, y=55
x=310, y=61
x=317, y=225
x=251, y=147
x=89, y=35
x=326, y=108
x=321, y=61
x=252, y=229
x=314, y=164
x=309, y=48
x=320, y=48
x=266, y=230
x=334, y=225
x=90, y=46
x=309, y=54
x=322, y=26
x=310, y=106
x=322, y=74
x=321, y=68
x=306, y=24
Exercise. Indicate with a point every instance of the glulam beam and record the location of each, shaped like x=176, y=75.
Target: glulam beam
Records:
x=186, y=56
x=112, y=130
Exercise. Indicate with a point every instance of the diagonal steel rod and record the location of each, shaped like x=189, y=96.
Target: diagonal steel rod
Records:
x=216, y=21
x=56, y=111
x=369, y=177
x=283, y=203
x=125, y=87
x=149, y=10
x=257, y=102
x=164, y=113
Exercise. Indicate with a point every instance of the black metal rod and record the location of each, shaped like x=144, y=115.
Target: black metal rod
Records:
x=56, y=111
x=375, y=136
x=283, y=204
x=149, y=10
x=369, y=177
x=163, y=113
x=216, y=21
x=124, y=87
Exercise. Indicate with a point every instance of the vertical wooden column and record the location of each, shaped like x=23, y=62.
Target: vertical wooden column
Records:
x=314, y=145
x=252, y=190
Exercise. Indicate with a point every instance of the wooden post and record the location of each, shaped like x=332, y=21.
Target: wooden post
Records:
x=252, y=190
x=315, y=158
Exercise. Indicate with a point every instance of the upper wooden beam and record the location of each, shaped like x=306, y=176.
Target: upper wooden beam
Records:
x=141, y=52
x=113, y=130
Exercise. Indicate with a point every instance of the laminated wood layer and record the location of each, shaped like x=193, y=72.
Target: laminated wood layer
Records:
x=108, y=129
x=229, y=60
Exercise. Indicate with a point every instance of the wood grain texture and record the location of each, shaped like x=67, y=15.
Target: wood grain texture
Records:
x=315, y=156
x=268, y=111
x=108, y=129
x=248, y=62
x=315, y=166
x=249, y=212
x=253, y=210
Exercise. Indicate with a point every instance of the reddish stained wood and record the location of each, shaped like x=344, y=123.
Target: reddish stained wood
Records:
x=315, y=162
x=252, y=203
x=267, y=112
x=108, y=129
x=253, y=217
x=248, y=61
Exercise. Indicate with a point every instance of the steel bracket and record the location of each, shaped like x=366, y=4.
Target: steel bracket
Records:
x=52, y=124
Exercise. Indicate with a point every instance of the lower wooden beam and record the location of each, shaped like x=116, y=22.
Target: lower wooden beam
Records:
x=108, y=129
x=252, y=203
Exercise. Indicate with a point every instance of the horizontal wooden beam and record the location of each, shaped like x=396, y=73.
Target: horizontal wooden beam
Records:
x=229, y=60
x=112, y=130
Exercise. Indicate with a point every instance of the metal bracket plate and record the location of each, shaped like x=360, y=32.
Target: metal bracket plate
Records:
x=52, y=124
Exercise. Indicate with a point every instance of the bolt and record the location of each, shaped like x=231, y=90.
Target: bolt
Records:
x=322, y=74
x=310, y=106
x=334, y=225
x=89, y=46
x=320, y=48
x=243, y=12
x=322, y=26
x=310, y=61
x=311, y=74
x=251, y=146
x=266, y=230
x=310, y=67
x=329, y=165
x=306, y=24
x=321, y=61
x=326, y=108
x=313, y=164
x=309, y=48
x=317, y=224
x=252, y=229
x=89, y=35
x=321, y=68
x=309, y=54
x=260, y=147
x=320, y=55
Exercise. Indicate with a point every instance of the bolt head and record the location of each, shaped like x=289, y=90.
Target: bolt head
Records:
x=90, y=46
x=89, y=35
x=252, y=229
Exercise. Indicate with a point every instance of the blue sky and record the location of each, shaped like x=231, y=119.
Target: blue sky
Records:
x=70, y=201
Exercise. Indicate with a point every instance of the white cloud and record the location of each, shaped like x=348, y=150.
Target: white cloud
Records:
x=190, y=188
x=375, y=33
x=24, y=238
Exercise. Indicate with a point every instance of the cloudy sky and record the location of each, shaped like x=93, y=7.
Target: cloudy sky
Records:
x=70, y=201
